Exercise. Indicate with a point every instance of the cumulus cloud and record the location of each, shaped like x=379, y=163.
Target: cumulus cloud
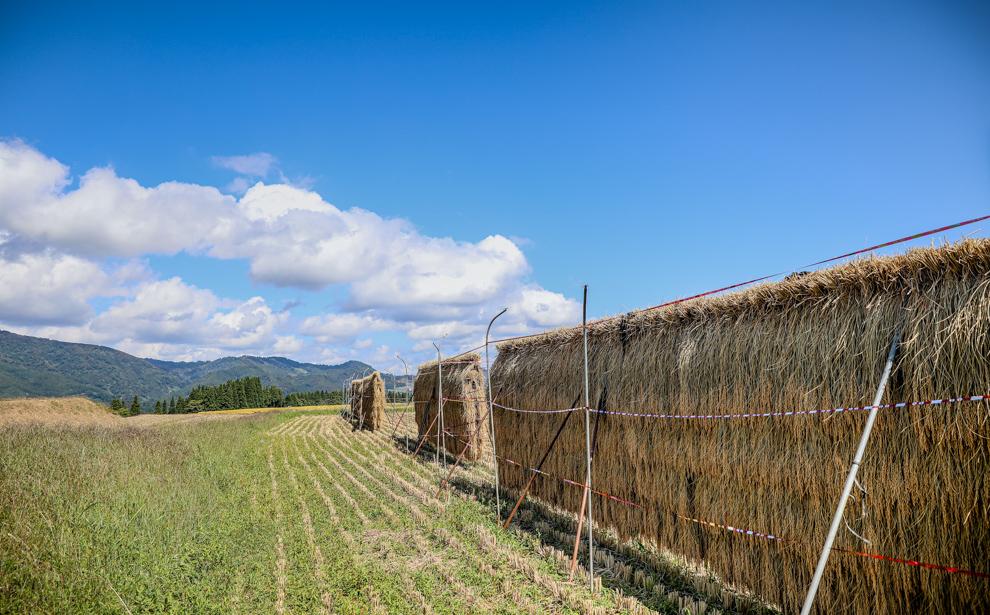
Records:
x=161, y=311
x=343, y=327
x=48, y=288
x=287, y=345
x=107, y=215
x=168, y=319
x=57, y=238
x=444, y=272
x=255, y=165
x=289, y=235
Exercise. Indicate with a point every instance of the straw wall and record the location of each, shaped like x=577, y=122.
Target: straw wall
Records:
x=814, y=341
x=465, y=409
x=368, y=402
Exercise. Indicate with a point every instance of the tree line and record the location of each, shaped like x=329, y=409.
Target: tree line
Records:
x=240, y=393
x=235, y=394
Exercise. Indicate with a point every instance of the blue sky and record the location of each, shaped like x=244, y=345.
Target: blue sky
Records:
x=650, y=150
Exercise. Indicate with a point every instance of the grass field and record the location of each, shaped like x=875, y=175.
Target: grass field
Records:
x=289, y=512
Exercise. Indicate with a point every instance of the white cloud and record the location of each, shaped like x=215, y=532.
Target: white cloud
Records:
x=160, y=311
x=255, y=165
x=543, y=308
x=169, y=319
x=49, y=288
x=238, y=185
x=396, y=279
x=343, y=327
x=107, y=215
x=290, y=236
x=287, y=345
x=442, y=271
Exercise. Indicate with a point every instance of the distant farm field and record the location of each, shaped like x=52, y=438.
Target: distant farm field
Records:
x=289, y=512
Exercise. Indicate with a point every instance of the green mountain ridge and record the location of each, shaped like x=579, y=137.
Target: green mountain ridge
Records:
x=39, y=367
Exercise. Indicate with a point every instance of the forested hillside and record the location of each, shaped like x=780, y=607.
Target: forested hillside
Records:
x=37, y=367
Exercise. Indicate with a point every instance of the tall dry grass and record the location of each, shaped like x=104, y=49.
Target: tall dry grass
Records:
x=814, y=341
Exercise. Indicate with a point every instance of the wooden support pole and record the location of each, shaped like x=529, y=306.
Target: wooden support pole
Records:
x=425, y=435
x=539, y=467
x=445, y=482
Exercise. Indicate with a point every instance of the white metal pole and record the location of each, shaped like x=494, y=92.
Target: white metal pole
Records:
x=809, y=600
x=441, y=435
x=587, y=442
x=405, y=367
x=491, y=418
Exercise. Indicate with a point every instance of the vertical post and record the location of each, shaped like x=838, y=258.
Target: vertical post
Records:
x=587, y=442
x=406, y=405
x=491, y=418
x=441, y=436
x=809, y=600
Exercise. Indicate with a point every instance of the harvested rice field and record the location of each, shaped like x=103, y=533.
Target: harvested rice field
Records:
x=294, y=512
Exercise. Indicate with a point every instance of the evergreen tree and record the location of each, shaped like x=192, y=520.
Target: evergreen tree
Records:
x=242, y=401
x=158, y=407
x=135, y=407
x=117, y=406
x=171, y=406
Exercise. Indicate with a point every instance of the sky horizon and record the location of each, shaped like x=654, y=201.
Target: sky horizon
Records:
x=355, y=182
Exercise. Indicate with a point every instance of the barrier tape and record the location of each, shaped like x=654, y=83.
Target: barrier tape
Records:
x=876, y=556
x=911, y=562
x=746, y=415
x=902, y=240
x=562, y=410
x=745, y=531
x=759, y=279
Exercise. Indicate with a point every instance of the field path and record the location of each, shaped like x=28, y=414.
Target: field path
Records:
x=403, y=549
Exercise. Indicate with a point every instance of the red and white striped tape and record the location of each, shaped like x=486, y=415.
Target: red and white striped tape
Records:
x=522, y=411
x=750, y=415
x=745, y=531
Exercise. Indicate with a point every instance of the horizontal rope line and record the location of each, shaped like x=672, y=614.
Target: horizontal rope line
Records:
x=746, y=415
x=903, y=404
x=762, y=278
x=535, y=411
x=745, y=531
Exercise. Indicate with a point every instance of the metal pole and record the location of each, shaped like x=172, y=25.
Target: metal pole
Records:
x=441, y=435
x=406, y=368
x=809, y=600
x=587, y=442
x=491, y=418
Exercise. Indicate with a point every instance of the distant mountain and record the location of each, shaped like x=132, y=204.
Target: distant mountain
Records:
x=35, y=367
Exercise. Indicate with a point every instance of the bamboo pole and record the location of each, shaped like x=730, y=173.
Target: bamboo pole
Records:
x=426, y=435
x=539, y=467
